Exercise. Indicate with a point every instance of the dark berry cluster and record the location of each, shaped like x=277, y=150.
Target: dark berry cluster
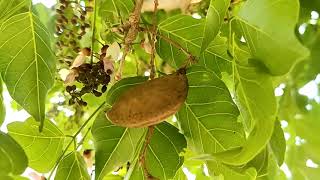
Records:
x=92, y=76
x=71, y=25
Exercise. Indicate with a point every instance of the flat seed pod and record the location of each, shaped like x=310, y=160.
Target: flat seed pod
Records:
x=151, y=102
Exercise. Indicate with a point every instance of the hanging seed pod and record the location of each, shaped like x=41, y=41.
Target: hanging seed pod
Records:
x=151, y=102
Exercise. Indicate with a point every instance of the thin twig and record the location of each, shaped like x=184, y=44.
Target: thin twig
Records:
x=132, y=28
x=153, y=39
x=74, y=137
x=144, y=153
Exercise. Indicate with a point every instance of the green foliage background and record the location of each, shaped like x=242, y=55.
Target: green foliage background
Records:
x=232, y=124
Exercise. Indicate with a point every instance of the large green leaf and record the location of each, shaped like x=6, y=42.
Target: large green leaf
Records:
x=27, y=63
x=163, y=158
x=72, y=167
x=2, y=106
x=255, y=94
x=278, y=143
x=9, y=8
x=215, y=17
x=268, y=27
x=208, y=118
x=13, y=159
x=114, y=145
x=42, y=148
x=188, y=33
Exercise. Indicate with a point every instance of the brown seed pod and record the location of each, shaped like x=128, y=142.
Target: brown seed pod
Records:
x=151, y=102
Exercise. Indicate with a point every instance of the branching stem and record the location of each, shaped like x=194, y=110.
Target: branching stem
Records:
x=132, y=28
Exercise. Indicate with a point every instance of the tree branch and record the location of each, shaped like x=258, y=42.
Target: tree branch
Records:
x=132, y=28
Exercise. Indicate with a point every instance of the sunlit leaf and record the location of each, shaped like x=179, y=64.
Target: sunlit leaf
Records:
x=12, y=7
x=187, y=32
x=215, y=17
x=114, y=11
x=72, y=166
x=42, y=148
x=13, y=159
x=27, y=63
x=268, y=27
x=258, y=108
x=209, y=116
x=2, y=106
x=216, y=168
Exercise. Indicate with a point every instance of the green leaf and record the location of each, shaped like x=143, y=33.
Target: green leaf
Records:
x=72, y=166
x=208, y=118
x=114, y=145
x=260, y=163
x=188, y=33
x=216, y=168
x=278, y=143
x=8, y=177
x=42, y=148
x=2, y=106
x=9, y=8
x=163, y=158
x=27, y=63
x=258, y=106
x=115, y=11
x=215, y=17
x=13, y=159
x=122, y=86
x=268, y=27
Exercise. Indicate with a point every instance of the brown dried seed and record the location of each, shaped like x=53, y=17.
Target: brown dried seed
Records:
x=151, y=102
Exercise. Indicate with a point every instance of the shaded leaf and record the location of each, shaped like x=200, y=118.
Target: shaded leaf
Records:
x=114, y=145
x=72, y=166
x=163, y=158
x=27, y=63
x=215, y=17
x=278, y=143
x=268, y=27
x=258, y=108
x=260, y=163
x=42, y=148
x=13, y=159
x=208, y=118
